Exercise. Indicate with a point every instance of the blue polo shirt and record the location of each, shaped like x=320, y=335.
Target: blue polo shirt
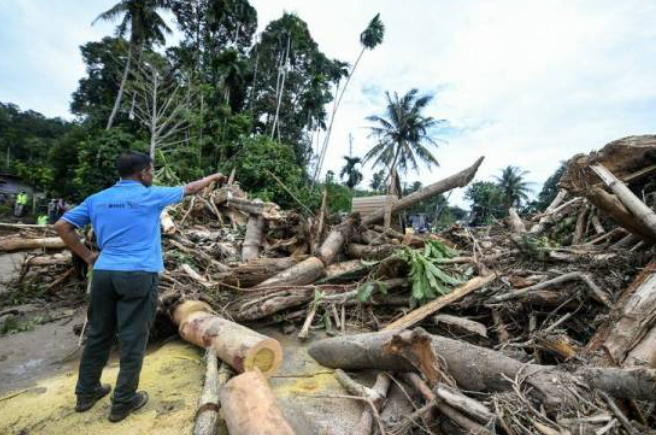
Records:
x=126, y=221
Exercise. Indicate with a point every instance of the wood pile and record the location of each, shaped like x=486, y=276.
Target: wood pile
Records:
x=542, y=324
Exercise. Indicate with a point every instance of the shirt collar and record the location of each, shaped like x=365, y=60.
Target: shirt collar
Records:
x=128, y=183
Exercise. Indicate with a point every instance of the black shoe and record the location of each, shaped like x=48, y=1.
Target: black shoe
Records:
x=119, y=412
x=85, y=403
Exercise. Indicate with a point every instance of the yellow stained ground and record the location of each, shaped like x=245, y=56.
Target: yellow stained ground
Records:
x=172, y=375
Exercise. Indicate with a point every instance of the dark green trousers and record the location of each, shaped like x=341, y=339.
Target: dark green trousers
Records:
x=123, y=304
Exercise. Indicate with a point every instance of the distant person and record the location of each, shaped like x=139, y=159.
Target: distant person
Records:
x=19, y=206
x=52, y=211
x=126, y=221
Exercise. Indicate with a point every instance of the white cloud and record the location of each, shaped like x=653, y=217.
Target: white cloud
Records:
x=524, y=82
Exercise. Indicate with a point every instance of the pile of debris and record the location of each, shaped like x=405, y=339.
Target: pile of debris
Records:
x=542, y=325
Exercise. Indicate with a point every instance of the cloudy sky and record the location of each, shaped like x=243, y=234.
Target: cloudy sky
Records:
x=523, y=82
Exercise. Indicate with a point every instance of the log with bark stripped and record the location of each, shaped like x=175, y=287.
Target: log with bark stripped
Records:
x=249, y=407
x=242, y=348
x=20, y=243
x=253, y=238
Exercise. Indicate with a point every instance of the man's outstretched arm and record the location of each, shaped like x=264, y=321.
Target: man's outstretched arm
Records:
x=196, y=186
x=67, y=232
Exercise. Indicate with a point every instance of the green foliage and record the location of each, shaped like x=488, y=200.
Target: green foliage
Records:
x=260, y=156
x=378, y=181
x=351, y=172
x=92, y=101
x=98, y=155
x=374, y=33
x=141, y=18
x=299, y=105
x=340, y=198
x=512, y=186
x=486, y=202
x=368, y=289
x=404, y=134
x=427, y=277
x=549, y=190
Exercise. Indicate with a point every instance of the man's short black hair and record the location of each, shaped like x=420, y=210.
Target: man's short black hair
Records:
x=132, y=163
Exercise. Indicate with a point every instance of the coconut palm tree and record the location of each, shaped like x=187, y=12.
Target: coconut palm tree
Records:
x=403, y=133
x=512, y=186
x=351, y=172
x=370, y=38
x=146, y=26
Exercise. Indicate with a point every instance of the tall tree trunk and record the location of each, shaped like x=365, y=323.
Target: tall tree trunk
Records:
x=121, y=89
x=338, y=102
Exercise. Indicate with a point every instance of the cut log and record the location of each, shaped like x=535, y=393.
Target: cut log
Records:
x=257, y=270
x=168, y=225
x=20, y=243
x=267, y=210
x=207, y=415
x=242, y=348
x=639, y=209
x=432, y=307
x=253, y=238
x=63, y=258
x=476, y=368
x=614, y=208
x=249, y=407
x=461, y=179
x=283, y=299
x=336, y=239
x=303, y=273
x=368, y=252
x=313, y=268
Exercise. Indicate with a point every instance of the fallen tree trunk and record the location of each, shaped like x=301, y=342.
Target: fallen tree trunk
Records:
x=257, y=270
x=303, y=273
x=631, y=336
x=267, y=210
x=310, y=270
x=207, y=415
x=242, y=348
x=249, y=407
x=614, y=208
x=641, y=212
x=253, y=238
x=476, y=368
x=461, y=179
x=20, y=243
x=313, y=268
x=367, y=252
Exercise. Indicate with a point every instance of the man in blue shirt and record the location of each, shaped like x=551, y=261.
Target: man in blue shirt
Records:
x=123, y=300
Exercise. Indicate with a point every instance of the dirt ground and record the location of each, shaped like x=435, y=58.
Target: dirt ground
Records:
x=38, y=374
